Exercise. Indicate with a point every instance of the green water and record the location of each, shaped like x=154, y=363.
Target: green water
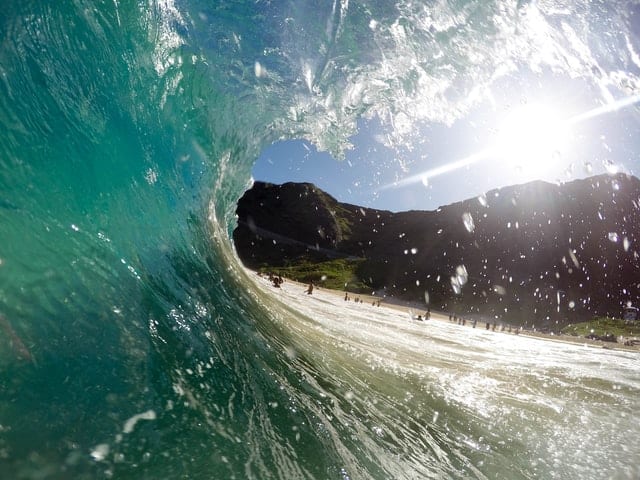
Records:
x=131, y=344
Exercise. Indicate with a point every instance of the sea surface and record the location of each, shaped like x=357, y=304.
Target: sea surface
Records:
x=132, y=343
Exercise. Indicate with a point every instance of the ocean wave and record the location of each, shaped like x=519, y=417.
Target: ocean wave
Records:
x=134, y=345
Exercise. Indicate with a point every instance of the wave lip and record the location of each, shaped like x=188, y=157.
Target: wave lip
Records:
x=129, y=131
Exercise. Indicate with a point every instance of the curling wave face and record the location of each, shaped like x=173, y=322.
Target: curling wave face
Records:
x=133, y=344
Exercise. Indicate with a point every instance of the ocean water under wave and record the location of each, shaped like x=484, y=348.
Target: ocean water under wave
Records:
x=133, y=344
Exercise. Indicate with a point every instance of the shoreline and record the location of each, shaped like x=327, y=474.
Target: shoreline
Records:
x=405, y=306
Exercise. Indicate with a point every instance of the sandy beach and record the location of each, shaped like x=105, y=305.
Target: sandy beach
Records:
x=399, y=305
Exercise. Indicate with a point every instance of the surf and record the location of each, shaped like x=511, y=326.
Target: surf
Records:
x=134, y=344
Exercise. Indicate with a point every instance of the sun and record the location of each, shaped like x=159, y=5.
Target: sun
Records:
x=531, y=138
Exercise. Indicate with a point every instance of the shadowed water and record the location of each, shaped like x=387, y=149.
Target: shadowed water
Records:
x=133, y=346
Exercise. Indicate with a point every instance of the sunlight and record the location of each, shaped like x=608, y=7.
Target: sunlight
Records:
x=427, y=175
x=604, y=109
x=531, y=138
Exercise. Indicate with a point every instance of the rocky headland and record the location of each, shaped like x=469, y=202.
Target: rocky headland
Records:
x=538, y=253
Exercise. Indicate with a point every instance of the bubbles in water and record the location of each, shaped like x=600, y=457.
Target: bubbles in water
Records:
x=100, y=452
x=467, y=219
x=625, y=244
x=151, y=176
x=130, y=424
x=613, y=237
x=572, y=304
x=414, y=250
x=259, y=70
x=291, y=353
x=344, y=474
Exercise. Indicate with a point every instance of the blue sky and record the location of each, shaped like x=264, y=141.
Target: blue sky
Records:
x=375, y=176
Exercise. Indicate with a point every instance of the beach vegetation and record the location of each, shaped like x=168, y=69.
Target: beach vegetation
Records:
x=602, y=326
x=333, y=274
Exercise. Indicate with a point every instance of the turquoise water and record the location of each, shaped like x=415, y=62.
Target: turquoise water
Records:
x=132, y=345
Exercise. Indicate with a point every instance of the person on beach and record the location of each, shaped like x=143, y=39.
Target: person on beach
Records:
x=310, y=288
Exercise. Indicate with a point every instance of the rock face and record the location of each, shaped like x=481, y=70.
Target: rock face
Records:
x=536, y=253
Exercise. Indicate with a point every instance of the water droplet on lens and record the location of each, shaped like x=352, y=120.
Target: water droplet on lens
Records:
x=500, y=290
x=609, y=166
x=467, y=219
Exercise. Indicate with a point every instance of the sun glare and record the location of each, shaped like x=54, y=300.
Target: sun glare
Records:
x=531, y=138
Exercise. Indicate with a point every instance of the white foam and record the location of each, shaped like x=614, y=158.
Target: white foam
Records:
x=130, y=424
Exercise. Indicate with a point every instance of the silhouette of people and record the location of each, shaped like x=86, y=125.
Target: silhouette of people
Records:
x=310, y=288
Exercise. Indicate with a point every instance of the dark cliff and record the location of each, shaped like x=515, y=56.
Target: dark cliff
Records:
x=537, y=252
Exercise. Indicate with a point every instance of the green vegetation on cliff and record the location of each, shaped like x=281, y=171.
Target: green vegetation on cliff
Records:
x=534, y=254
x=602, y=326
x=333, y=274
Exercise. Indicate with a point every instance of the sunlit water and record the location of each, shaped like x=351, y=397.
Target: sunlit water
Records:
x=532, y=408
x=132, y=345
